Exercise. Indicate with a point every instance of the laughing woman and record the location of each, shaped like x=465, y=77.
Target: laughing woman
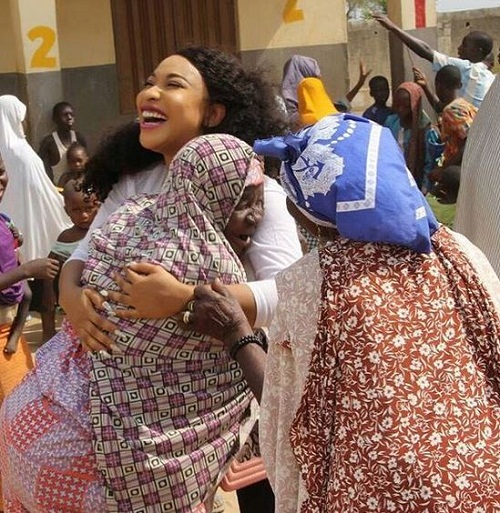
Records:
x=102, y=431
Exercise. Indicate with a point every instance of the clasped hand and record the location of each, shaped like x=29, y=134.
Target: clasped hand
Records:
x=145, y=290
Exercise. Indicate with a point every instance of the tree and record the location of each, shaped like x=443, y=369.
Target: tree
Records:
x=362, y=9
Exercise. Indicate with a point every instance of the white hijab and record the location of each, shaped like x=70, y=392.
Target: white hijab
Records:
x=31, y=200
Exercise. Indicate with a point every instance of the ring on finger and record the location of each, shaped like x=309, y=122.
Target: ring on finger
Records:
x=190, y=306
x=186, y=317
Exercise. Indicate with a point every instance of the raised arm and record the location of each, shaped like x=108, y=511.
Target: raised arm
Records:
x=363, y=75
x=421, y=48
x=420, y=78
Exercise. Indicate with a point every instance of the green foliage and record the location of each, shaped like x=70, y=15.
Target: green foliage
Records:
x=362, y=9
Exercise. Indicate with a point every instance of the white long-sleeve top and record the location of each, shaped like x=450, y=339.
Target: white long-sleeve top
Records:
x=274, y=246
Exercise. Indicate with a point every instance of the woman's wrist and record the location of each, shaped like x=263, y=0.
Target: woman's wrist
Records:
x=235, y=330
x=180, y=295
x=243, y=342
x=186, y=293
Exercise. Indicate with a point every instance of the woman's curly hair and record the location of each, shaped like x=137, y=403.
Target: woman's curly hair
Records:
x=252, y=112
x=119, y=153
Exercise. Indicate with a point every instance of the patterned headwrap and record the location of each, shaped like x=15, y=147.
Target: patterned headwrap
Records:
x=456, y=119
x=347, y=172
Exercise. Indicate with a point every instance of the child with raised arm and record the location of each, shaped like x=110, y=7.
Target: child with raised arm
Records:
x=474, y=49
x=379, y=91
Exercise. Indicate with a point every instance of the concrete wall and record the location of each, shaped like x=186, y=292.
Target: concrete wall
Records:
x=368, y=41
x=83, y=70
x=317, y=29
x=8, y=55
x=332, y=60
x=88, y=70
x=85, y=73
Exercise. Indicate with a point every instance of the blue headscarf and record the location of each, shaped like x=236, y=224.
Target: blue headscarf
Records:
x=349, y=173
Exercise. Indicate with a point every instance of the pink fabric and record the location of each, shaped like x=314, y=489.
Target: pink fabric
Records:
x=46, y=455
x=166, y=415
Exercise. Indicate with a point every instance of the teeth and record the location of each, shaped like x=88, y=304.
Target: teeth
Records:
x=152, y=114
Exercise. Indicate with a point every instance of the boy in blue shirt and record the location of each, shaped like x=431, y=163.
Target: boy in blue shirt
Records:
x=379, y=91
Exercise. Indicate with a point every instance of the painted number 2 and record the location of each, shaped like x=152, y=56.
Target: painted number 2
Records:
x=291, y=13
x=40, y=58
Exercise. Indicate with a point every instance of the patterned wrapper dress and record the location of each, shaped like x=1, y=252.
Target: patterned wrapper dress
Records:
x=153, y=427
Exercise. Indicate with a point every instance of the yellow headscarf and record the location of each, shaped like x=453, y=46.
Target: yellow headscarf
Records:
x=314, y=102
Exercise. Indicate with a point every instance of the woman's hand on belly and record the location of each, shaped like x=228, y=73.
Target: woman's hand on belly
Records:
x=90, y=326
x=80, y=307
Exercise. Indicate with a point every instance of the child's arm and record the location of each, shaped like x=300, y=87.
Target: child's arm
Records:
x=19, y=321
x=41, y=268
x=420, y=78
x=363, y=75
x=49, y=302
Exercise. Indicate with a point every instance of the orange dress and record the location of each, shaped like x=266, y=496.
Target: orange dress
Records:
x=13, y=367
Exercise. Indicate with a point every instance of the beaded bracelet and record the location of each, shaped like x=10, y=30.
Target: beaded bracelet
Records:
x=242, y=342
